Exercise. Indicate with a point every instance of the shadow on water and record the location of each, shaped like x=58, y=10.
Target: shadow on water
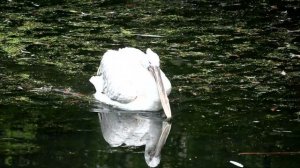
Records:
x=233, y=65
x=134, y=129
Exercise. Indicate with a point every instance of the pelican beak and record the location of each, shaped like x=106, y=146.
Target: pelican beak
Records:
x=161, y=90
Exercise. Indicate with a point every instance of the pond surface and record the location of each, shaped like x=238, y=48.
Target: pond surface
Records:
x=234, y=68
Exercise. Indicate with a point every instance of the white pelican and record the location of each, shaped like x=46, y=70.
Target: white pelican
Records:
x=130, y=79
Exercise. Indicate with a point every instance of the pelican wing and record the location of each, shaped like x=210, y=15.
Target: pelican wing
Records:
x=118, y=74
x=118, y=89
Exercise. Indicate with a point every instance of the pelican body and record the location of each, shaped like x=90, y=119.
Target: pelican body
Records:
x=130, y=79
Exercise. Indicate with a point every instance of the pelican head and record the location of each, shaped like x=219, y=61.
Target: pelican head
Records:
x=153, y=65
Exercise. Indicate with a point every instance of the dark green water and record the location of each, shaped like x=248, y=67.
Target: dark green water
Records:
x=234, y=67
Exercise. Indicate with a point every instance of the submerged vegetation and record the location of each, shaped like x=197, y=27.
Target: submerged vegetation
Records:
x=234, y=67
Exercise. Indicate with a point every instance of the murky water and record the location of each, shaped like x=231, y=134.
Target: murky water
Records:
x=234, y=67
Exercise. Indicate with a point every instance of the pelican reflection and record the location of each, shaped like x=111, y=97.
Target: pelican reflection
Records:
x=135, y=129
